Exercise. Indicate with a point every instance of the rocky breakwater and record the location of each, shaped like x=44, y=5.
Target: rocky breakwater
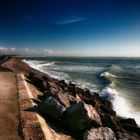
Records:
x=78, y=112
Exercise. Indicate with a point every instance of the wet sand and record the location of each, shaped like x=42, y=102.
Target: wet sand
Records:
x=9, y=119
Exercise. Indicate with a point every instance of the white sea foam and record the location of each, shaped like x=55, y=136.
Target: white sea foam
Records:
x=47, y=64
x=84, y=84
x=78, y=68
x=38, y=64
x=121, y=106
x=58, y=75
x=43, y=67
x=32, y=63
x=107, y=74
x=108, y=93
x=125, y=109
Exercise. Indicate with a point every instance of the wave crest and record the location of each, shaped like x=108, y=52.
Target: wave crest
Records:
x=107, y=74
x=108, y=93
x=38, y=64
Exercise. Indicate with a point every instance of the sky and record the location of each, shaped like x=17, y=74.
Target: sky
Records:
x=70, y=27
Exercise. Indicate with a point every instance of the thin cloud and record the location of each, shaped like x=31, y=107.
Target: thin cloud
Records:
x=13, y=49
x=69, y=21
x=3, y=49
x=29, y=51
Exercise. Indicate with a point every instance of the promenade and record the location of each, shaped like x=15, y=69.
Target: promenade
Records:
x=9, y=118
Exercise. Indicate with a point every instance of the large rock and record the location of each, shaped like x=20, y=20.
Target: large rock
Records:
x=106, y=107
x=39, y=83
x=62, y=84
x=81, y=116
x=52, y=108
x=84, y=94
x=61, y=97
x=130, y=125
x=72, y=88
x=129, y=121
x=64, y=98
x=72, y=99
x=47, y=94
x=111, y=122
x=101, y=133
x=127, y=136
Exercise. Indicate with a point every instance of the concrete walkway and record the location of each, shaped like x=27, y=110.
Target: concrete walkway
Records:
x=9, y=119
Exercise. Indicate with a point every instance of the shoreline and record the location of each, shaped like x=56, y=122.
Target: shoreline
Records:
x=69, y=97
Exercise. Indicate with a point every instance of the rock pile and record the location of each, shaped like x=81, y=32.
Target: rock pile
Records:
x=83, y=114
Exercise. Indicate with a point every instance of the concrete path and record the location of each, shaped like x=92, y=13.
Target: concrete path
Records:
x=9, y=119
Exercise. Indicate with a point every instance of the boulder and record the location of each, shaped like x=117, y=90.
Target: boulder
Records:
x=107, y=109
x=81, y=116
x=127, y=136
x=128, y=121
x=39, y=83
x=72, y=99
x=64, y=98
x=95, y=95
x=111, y=122
x=84, y=94
x=90, y=101
x=61, y=97
x=45, y=85
x=62, y=84
x=132, y=128
x=72, y=88
x=107, y=103
x=47, y=94
x=52, y=108
x=130, y=125
x=101, y=133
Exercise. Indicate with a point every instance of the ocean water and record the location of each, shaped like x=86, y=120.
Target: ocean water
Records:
x=116, y=79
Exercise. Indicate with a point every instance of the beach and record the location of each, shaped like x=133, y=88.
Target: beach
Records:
x=50, y=108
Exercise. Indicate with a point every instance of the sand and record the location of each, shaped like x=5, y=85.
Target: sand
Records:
x=9, y=118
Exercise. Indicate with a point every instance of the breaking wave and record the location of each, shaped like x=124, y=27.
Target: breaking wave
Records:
x=38, y=64
x=122, y=106
x=107, y=74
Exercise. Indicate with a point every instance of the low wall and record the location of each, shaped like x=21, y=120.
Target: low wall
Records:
x=33, y=126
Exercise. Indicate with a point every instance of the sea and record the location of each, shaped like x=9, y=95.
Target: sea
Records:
x=115, y=79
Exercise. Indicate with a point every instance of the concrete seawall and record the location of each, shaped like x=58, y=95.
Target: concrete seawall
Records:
x=33, y=126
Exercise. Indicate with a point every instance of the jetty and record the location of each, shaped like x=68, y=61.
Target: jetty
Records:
x=35, y=106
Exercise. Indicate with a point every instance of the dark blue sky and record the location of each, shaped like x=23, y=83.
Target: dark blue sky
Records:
x=70, y=27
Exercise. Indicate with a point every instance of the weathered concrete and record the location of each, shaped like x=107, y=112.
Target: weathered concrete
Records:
x=34, y=127
x=9, y=119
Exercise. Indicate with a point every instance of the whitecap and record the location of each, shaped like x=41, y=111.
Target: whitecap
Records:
x=108, y=93
x=38, y=64
x=78, y=68
x=107, y=74
x=122, y=107
x=85, y=84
